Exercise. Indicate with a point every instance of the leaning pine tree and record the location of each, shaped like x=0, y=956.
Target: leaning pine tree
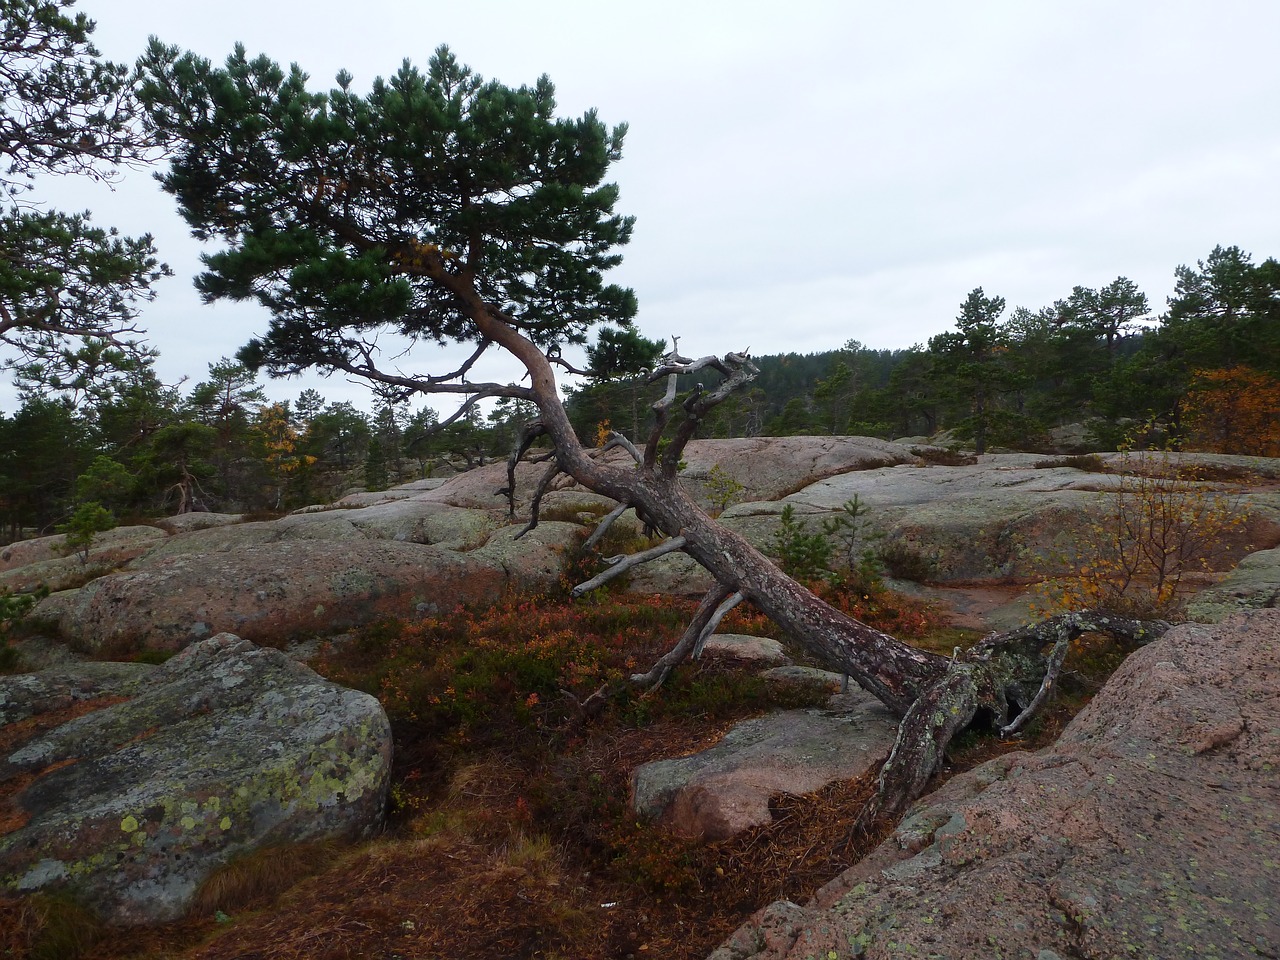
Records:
x=449, y=209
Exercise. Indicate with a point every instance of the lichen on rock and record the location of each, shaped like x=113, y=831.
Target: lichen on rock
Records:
x=223, y=749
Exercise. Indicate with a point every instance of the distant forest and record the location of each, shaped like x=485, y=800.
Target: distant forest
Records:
x=1090, y=371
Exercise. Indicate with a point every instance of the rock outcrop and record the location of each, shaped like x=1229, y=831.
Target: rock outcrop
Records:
x=126, y=785
x=1151, y=829
x=430, y=544
x=272, y=582
x=1002, y=517
x=1253, y=585
x=726, y=789
x=44, y=562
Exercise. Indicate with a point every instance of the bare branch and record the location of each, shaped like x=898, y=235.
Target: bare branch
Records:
x=429, y=385
x=603, y=526
x=698, y=404
x=528, y=434
x=1056, y=659
x=461, y=372
x=555, y=358
x=736, y=370
x=1032, y=638
x=535, y=505
x=949, y=705
x=620, y=565
x=661, y=414
x=714, y=624
x=707, y=609
x=618, y=440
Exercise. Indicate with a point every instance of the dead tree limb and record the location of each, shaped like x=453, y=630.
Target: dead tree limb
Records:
x=697, y=628
x=1002, y=673
x=617, y=439
x=620, y=565
x=603, y=526
x=529, y=433
x=535, y=502
x=722, y=611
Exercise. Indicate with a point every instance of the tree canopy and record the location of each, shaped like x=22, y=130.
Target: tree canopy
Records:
x=434, y=198
x=65, y=283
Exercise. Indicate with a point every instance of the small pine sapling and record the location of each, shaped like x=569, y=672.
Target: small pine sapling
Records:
x=90, y=519
x=722, y=489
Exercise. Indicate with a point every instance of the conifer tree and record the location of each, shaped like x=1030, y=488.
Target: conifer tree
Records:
x=64, y=110
x=444, y=207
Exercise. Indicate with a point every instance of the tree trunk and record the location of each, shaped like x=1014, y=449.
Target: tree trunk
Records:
x=936, y=696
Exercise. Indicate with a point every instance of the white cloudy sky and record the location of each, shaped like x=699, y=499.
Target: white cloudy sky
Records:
x=804, y=173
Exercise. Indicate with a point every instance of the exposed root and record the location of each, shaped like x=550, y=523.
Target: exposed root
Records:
x=1003, y=672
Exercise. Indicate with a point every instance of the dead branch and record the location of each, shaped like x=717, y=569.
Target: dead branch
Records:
x=603, y=526
x=529, y=433
x=620, y=565
x=739, y=371
x=535, y=505
x=1001, y=671
x=616, y=439
x=661, y=414
x=1053, y=668
x=714, y=624
x=658, y=673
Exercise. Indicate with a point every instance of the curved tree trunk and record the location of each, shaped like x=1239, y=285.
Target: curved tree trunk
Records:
x=1009, y=676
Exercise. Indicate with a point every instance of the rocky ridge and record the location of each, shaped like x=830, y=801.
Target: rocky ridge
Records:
x=1150, y=829
x=428, y=545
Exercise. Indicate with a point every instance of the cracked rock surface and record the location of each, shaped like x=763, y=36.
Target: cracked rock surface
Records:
x=1150, y=830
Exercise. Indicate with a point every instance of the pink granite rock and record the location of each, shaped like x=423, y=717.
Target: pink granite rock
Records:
x=1151, y=829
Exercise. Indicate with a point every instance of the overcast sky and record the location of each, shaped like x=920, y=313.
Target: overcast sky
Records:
x=806, y=173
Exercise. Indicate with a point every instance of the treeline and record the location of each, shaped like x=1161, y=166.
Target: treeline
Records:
x=142, y=450
x=1203, y=373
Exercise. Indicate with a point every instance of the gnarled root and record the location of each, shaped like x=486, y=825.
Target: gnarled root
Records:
x=938, y=714
x=1005, y=672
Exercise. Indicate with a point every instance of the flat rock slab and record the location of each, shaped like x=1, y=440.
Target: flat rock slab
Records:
x=275, y=589
x=739, y=646
x=1151, y=829
x=44, y=562
x=126, y=785
x=726, y=789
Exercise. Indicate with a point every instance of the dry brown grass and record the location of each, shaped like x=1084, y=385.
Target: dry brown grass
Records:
x=260, y=876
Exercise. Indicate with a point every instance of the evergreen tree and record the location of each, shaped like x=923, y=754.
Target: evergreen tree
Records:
x=973, y=355
x=227, y=402
x=445, y=208
x=65, y=110
x=1226, y=312
x=1105, y=314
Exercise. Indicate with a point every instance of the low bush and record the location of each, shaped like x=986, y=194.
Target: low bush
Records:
x=906, y=562
x=1159, y=525
x=944, y=456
